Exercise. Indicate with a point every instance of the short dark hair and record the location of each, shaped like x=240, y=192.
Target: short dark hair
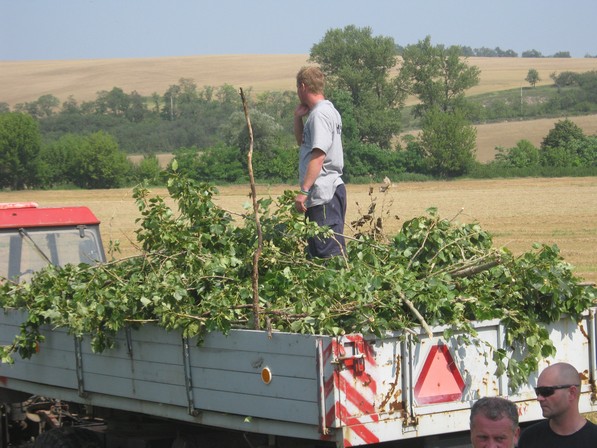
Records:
x=495, y=408
x=312, y=77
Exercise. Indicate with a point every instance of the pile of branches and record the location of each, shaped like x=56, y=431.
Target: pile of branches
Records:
x=197, y=265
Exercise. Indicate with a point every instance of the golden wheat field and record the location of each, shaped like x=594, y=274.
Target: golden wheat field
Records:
x=517, y=212
x=22, y=81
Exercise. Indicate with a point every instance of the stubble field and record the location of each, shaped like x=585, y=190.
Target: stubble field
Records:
x=22, y=81
x=517, y=212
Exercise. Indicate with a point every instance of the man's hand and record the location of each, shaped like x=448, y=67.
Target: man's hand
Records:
x=299, y=203
x=301, y=110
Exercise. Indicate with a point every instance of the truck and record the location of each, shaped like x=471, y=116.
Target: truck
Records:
x=157, y=388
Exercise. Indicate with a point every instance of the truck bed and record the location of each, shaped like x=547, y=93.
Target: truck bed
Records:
x=351, y=390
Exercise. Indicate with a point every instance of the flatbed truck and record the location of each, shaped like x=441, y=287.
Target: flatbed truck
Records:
x=249, y=387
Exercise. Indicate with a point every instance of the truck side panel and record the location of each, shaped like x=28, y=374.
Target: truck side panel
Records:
x=351, y=390
x=222, y=375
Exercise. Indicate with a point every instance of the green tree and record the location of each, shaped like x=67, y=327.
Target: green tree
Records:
x=20, y=143
x=149, y=170
x=531, y=54
x=437, y=76
x=137, y=109
x=561, y=54
x=219, y=163
x=280, y=106
x=30, y=108
x=268, y=138
x=448, y=141
x=523, y=155
x=532, y=77
x=367, y=161
x=357, y=62
x=115, y=102
x=99, y=163
x=57, y=159
x=562, y=132
x=563, y=145
x=70, y=106
x=579, y=152
x=170, y=106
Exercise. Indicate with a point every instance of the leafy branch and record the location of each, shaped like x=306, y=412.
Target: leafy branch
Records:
x=195, y=275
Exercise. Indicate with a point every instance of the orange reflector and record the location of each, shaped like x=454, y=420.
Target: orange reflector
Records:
x=266, y=375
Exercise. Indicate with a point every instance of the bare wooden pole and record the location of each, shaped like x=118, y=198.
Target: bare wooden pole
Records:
x=257, y=254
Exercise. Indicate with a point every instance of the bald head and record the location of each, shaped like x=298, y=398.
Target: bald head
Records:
x=559, y=373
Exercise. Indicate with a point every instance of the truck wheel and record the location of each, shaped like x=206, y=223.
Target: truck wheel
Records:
x=67, y=438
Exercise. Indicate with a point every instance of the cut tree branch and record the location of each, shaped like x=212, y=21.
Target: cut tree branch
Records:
x=257, y=254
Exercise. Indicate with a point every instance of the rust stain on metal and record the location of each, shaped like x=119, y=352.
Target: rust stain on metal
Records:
x=396, y=404
x=583, y=331
x=394, y=394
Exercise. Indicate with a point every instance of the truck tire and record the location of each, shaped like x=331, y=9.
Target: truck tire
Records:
x=67, y=437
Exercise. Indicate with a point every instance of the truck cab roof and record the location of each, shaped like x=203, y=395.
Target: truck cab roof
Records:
x=29, y=214
x=33, y=237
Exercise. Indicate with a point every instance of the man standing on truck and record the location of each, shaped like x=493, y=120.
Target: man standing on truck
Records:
x=494, y=423
x=558, y=393
x=322, y=195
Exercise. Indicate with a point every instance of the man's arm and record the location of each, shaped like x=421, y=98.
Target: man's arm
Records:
x=313, y=170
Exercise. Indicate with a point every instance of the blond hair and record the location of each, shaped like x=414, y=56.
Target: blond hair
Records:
x=312, y=77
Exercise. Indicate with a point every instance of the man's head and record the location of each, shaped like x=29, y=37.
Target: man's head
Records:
x=494, y=423
x=558, y=390
x=310, y=78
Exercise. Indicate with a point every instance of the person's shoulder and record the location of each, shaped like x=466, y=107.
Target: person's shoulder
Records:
x=537, y=425
x=325, y=110
x=535, y=428
x=323, y=105
x=590, y=426
x=532, y=435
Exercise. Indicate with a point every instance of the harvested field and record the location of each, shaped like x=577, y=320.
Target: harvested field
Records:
x=22, y=81
x=506, y=134
x=517, y=212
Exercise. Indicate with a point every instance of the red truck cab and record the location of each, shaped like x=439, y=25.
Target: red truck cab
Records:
x=32, y=237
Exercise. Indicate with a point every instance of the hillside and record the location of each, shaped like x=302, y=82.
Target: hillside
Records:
x=22, y=81
x=28, y=80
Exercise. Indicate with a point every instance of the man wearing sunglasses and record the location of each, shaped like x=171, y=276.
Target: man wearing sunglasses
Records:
x=558, y=392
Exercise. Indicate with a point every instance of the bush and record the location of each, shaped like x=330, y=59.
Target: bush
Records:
x=523, y=155
x=369, y=161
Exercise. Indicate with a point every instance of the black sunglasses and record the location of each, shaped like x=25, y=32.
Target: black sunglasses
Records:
x=548, y=391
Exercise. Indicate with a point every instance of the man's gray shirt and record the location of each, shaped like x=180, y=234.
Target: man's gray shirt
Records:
x=323, y=130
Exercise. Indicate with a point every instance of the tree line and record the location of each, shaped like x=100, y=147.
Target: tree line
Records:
x=44, y=144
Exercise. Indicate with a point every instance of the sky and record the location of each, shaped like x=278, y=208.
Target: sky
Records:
x=106, y=29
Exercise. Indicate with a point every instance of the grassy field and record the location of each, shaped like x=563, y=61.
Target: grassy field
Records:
x=517, y=212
